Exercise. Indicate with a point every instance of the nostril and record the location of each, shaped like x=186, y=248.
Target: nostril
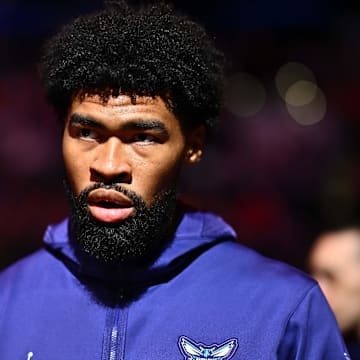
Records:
x=110, y=178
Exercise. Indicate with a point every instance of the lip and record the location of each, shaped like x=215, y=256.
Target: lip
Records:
x=122, y=209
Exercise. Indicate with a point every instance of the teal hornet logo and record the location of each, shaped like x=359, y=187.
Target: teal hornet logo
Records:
x=198, y=351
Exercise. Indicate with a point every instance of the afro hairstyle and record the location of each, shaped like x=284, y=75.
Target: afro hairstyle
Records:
x=146, y=50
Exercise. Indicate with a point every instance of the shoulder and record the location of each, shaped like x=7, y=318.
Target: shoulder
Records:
x=27, y=267
x=28, y=273
x=22, y=278
x=241, y=259
x=234, y=262
x=244, y=271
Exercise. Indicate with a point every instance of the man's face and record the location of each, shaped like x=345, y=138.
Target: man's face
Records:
x=127, y=156
x=335, y=262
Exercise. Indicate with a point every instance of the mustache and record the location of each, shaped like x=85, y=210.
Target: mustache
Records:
x=100, y=185
x=133, y=196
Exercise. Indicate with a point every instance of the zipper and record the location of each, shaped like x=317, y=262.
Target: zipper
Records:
x=113, y=342
x=114, y=334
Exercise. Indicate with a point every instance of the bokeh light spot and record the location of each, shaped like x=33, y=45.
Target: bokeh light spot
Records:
x=291, y=73
x=310, y=113
x=301, y=93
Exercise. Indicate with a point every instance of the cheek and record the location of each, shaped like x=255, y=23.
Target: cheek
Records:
x=156, y=177
x=76, y=167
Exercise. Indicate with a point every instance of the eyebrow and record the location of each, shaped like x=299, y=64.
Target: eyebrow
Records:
x=140, y=124
x=77, y=119
x=137, y=124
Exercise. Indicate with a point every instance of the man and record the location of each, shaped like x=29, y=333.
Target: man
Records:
x=133, y=274
x=334, y=260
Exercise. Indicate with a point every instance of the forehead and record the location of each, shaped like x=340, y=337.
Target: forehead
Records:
x=123, y=107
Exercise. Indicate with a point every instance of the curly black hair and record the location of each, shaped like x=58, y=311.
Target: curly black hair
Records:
x=145, y=50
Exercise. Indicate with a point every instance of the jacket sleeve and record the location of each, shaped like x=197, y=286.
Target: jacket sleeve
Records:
x=312, y=332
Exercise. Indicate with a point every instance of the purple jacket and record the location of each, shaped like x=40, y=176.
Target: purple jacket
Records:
x=206, y=297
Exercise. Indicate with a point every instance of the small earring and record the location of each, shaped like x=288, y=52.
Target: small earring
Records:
x=193, y=156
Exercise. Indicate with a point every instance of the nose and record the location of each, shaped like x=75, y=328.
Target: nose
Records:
x=111, y=163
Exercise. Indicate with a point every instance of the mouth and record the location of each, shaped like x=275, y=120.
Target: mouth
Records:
x=109, y=206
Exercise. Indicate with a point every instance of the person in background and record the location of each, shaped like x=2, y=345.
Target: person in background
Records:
x=334, y=261
x=133, y=273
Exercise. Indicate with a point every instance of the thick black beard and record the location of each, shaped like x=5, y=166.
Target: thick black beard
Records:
x=137, y=239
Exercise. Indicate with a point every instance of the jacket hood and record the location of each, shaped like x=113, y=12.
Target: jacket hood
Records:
x=195, y=234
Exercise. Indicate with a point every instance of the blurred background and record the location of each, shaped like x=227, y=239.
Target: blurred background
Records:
x=285, y=163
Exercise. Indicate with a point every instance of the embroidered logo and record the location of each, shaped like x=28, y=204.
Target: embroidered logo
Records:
x=29, y=355
x=198, y=351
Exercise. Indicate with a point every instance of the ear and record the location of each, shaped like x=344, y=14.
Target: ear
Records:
x=195, y=144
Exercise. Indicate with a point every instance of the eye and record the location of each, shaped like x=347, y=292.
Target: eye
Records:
x=88, y=134
x=144, y=138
